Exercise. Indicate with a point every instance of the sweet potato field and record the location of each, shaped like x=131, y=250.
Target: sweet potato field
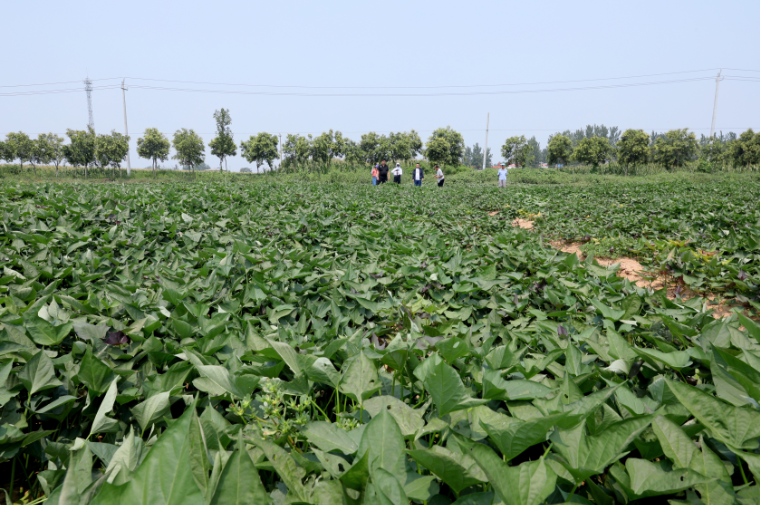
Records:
x=239, y=343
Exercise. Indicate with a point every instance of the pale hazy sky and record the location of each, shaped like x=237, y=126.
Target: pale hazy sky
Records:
x=380, y=44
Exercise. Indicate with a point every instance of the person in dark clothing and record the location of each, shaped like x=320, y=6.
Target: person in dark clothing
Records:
x=418, y=175
x=383, y=172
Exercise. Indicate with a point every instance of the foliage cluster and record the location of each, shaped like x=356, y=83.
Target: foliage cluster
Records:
x=292, y=343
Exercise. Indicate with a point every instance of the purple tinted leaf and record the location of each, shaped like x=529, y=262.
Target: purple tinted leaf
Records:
x=561, y=331
x=116, y=338
x=379, y=345
x=742, y=276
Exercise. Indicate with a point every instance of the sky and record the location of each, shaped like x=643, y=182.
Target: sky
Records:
x=463, y=60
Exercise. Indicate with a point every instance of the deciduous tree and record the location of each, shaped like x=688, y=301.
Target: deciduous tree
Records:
x=438, y=150
x=295, y=149
x=189, y=147
x=517, y=150
x=560, y=149
x=223, y=145
x=592, y=151
x=51, y=146
x=261, y=148
x=633, y=148
x=80, y=152
x=153, y=146
x=111, y=150
x=745, y=150
x=455, y=142
x=675, y=148
x=21, y=146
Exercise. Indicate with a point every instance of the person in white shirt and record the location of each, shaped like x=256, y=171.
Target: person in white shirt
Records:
x=502, y=173
x=397, y=173
x=418, y=175
x=439, y=175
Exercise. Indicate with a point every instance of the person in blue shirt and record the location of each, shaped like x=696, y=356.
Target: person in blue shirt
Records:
x=502, y=173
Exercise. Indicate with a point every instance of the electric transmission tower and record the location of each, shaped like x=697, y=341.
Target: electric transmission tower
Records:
x=88, y=89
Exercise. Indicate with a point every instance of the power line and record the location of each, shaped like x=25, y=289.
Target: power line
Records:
x=470, y=93
x=421, y=87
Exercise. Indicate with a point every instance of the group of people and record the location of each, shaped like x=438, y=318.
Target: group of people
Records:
x=380, y=174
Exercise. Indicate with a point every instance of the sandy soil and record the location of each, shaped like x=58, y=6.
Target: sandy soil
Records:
x=522, y=223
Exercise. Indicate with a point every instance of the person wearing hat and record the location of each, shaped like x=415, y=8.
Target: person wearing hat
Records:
x=397, y=173
x=374, y=175
x=383, y=173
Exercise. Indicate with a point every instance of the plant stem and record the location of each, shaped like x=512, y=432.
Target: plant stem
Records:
x=572, y=492
x=13, y=476
x=741, y=469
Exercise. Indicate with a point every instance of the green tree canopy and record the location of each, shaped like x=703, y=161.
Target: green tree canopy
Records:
x=473, y=157
x=153, y=146
x=320, y=147
x=633, y=148
x=21, y=146
x=295, y=149
x=80, y=152
x=374, y=148
x=438, y=150
x=261, y=148
x=592, y=151
x=517, y=150
x=189, y=147
x=745, y=150
x=50, y=149
x=455, y=143
x=560, y=149
x=111, y=150
x=223, y=145
x=675, y=148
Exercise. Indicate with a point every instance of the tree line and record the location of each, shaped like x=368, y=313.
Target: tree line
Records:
x=671, y=149
x=594, y=145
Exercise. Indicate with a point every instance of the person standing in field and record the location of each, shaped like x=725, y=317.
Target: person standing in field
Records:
x=397, y=173
x=418, y=175
x=502, y=173
x=439, y=175
x=374, y=175
x=383, y=171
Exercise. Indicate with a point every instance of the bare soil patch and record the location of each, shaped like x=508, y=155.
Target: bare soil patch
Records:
x=522, y=223
x=493, y=213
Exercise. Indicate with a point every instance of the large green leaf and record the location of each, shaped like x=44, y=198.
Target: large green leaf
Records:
x=586, y=455
x=643, y=479
x=457, y=470
x=447, y=390
x=151, y=410
x=94, y=374
x=383, y=441
x=527, y=484
x=409, y=420
x=38, y=374
x=735, y=426
x=329, y=437
x=164, y=477
x=239, y=483
x=360, y=380
x=513, y=436
x=103, y=423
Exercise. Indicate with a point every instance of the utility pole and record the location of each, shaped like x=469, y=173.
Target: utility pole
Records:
x=88, y=89
x=485, y=149
x=715, y=106
x=280, y=134
x=126, y=131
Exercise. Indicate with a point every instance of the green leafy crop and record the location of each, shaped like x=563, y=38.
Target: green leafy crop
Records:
x=217, y=343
